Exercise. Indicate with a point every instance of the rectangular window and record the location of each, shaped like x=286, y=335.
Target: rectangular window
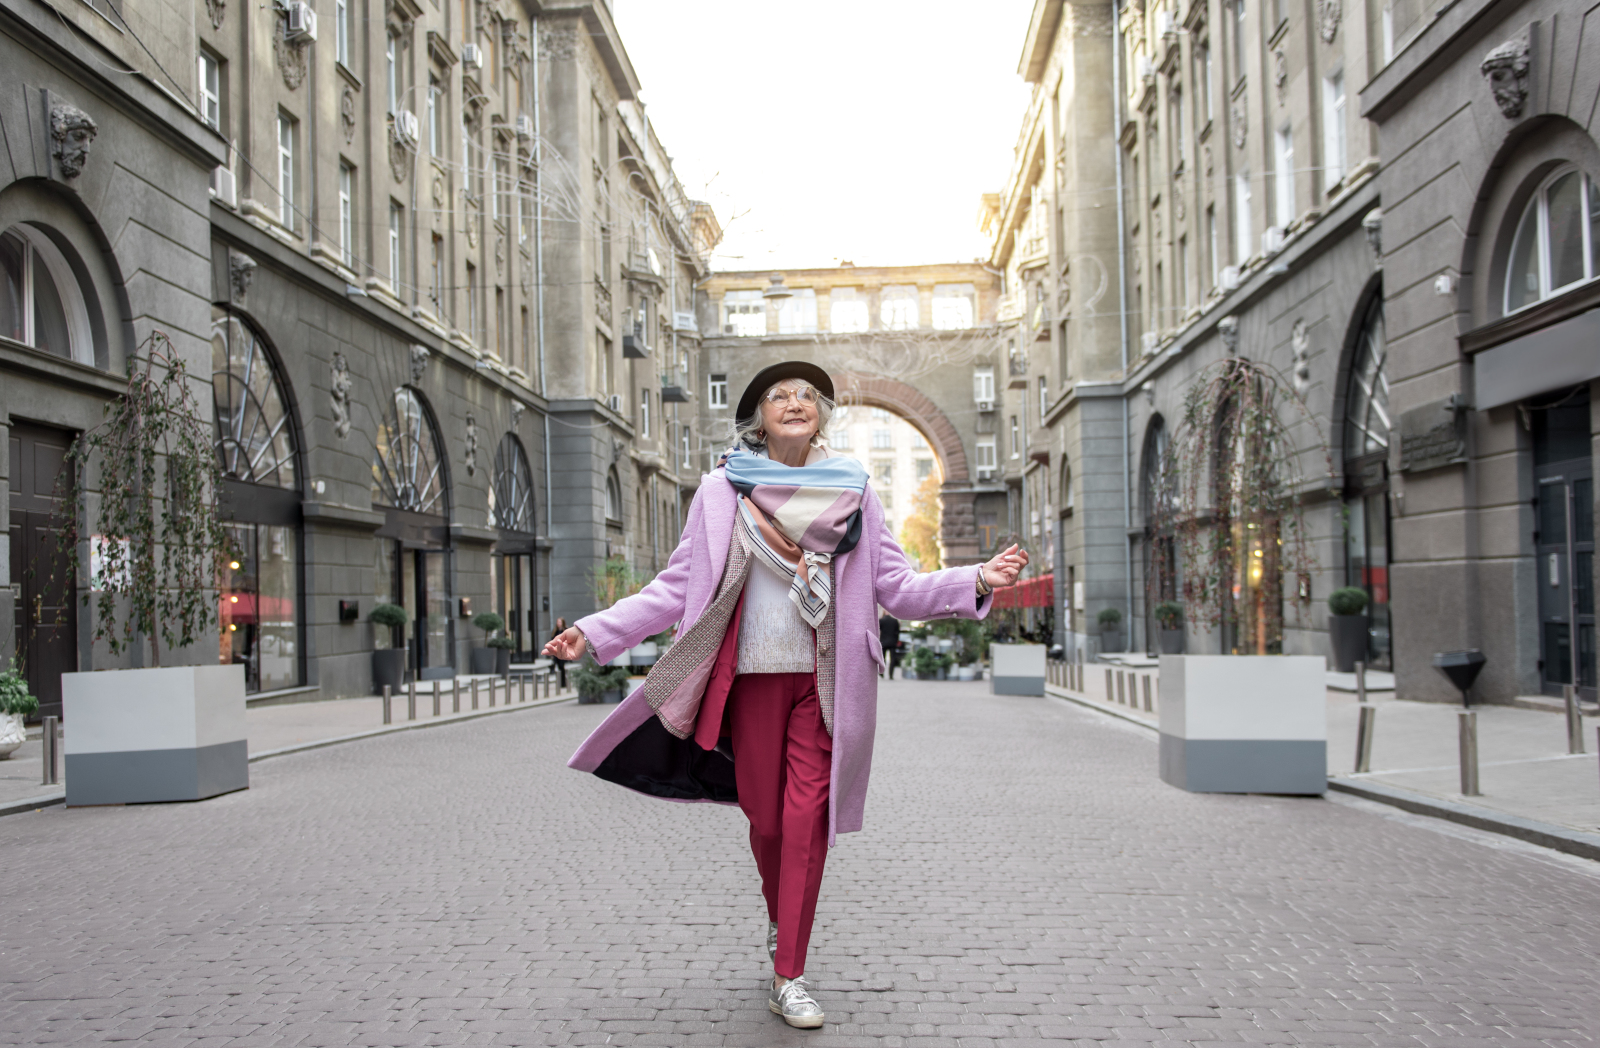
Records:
x=918, y=441
x=1181, y=293
x=347, y=238
x=396, y=223
x=1283, y=190
x=286, y=170
x=1333, y=158
x=1175, y=123
x=472, y=303
x=341, y=32
x=847, y=310
x=502, y=184
x=883, y=440
x=435, y=114
x=1241, y=217
x=1388, y=33
x=466, y=151
x=1212, y=257
x=524, y=212
x=924, y=469
x=527, y=336
x=897, y=310
x=1044, y=398
x=744, y=314
x=391, y=71
x=211, y=90
x=1239, y=65
x=717, y=393
x=1202, y=63
x=986, y=459
x=953, y=306
x=841, y=439
x=500, y=323
x=797, y=314
x=644, y=412
x=436, y=273
x=685, y=445
x=883, y=473
x=1016, y=438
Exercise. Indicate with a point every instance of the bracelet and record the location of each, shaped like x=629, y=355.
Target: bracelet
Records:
x=984, y=589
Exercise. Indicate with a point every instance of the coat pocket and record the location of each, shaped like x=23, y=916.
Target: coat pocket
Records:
x=875, y=648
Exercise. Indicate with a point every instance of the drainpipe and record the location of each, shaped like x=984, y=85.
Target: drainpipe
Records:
x=1122, y=294
x=538, y=279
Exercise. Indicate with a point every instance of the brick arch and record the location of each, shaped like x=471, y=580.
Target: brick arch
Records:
x=877, y=391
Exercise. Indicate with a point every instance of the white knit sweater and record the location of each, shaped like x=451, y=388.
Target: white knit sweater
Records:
x=773, y=638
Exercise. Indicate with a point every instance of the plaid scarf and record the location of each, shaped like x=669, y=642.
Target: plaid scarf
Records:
x=799, y=517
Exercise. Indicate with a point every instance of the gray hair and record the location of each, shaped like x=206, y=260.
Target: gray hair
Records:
x=745, y=430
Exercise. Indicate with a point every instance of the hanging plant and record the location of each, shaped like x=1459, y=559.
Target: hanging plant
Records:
x=148, y=509
x=1231, y=499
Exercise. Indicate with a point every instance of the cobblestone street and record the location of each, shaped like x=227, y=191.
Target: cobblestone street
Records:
x=1024, y=878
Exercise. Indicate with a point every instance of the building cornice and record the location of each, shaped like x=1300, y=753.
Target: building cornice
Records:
x=1455, y=28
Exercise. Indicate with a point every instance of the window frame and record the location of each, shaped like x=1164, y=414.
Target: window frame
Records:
x=717, y=390
x=347, y=240
x=39, y=248
x=1335, y=145
x=396, y=244
x=341, y=32
x=1538, y=203
x=210, y=89
x=287, y=127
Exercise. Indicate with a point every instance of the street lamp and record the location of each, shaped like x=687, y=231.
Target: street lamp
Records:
x=777, y=293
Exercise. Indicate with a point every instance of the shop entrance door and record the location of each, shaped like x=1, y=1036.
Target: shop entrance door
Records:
x=43, y=583
x=514, y=587
x=1564, y=541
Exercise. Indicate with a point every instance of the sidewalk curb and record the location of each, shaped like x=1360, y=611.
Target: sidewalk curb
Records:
x=431, y=722
x=31, y=804
x=1544, y=834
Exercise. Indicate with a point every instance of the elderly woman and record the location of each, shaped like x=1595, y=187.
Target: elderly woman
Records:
x=769, y=696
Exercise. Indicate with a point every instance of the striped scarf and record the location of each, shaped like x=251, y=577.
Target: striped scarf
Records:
x=799, y=518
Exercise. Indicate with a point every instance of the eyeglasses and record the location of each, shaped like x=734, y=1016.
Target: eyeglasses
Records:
x=780, y=397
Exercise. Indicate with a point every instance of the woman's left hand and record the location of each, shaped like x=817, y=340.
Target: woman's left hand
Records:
x=1005, y=567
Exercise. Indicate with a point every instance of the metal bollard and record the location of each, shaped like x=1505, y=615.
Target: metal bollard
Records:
x=1148, y=708
x=1111, y=690
x=1361, y=682
x=387, y=719
x=455, y=694
x=435, y=698
x=411, y=700
x=1469, y=752
x=52, y=750
x=1121, y=691
x=522, y=689
x=1574, y=719
x=493, y=686
x=474, y=693
x=1365, y=724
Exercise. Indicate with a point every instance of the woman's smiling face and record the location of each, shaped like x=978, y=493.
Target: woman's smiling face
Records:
x=789, y=411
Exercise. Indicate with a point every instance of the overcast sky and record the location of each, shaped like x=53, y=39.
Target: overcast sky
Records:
x=860, y=130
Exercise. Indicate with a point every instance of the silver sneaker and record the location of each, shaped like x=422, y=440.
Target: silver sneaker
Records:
x=795, y=1005
x=772, y=939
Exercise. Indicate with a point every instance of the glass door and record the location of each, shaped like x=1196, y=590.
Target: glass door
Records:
x=512, y=581
x=1565, y=571
x=434, y=627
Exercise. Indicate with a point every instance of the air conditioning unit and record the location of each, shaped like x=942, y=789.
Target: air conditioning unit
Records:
x=224, y=186
x=524, y=127
x=985, y=474
x=406, y=128
x=685, y=322
x=614, y=402
x=472, y=55
x=1271, y=239
x=299, y=21
x=985, y=405
x=1229, y=277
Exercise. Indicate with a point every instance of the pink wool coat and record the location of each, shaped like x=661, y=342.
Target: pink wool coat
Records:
x=630, y=747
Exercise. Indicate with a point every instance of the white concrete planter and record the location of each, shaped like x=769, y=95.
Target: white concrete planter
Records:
x=1244, y=723
x=13, y=733
x=171, y=734
x=966, y=673
x=1016, y=669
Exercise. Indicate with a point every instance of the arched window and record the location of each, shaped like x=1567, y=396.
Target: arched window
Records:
x=255, y=441
x=41, y=303
x=1557, y=243
x=613, y=497
x=407, y=463
x=1157, y=500
x=511, y=497
x=1367, y=394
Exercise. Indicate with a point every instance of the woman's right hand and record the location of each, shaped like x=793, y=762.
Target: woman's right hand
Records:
x=567, y=645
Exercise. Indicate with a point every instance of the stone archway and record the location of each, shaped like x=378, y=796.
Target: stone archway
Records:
x=958, y=529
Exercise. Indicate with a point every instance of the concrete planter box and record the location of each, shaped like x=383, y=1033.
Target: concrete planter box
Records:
x=1172, y=641
x=1244, y=723
x=1111, y=639
x=1347, y=634
x=491, y=660
x=13, y=733
x=388, y=667
x=644, y=654
x=1016, y=669
x=137, y=736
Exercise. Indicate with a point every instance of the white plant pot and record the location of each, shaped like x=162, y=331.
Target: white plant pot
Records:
x=966, y=673
x=171, y=734
x=13, y=733
x=1016, y=669
x=1244, y=723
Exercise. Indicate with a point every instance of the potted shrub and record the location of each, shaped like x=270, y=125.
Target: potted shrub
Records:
x=1110, y=620
x=17, y=704
x=967, y=664
x=600, y=683
x=140, y=500
x=491, y=658
x=388, y=660
x=1347, y=627
x=502, y=645
x=1253, y=720
x=925, y=661
x=1169, y=619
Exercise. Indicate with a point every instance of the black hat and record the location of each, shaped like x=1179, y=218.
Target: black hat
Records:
x=768, y=377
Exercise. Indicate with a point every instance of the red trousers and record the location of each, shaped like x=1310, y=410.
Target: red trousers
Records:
x=783, y=764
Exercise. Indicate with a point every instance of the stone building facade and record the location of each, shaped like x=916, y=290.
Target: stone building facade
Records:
x=428, y=256
x=921, y=342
